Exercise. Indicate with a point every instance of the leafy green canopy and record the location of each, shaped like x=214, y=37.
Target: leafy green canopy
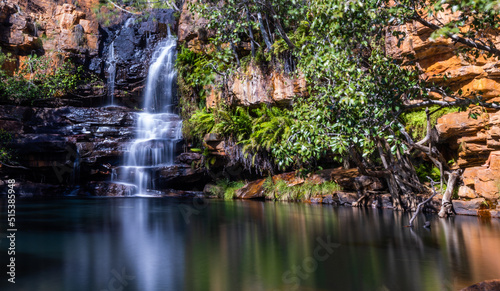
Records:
x=38, y=78
x=356, y=92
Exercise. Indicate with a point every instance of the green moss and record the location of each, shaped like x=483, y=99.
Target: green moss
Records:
x=416, y=121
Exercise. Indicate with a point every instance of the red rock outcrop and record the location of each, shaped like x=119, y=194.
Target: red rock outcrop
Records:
x=477, y=142
x=48, y=27
x=249, y=86
x=473, y=140
x=252, y=86
x=437, y=57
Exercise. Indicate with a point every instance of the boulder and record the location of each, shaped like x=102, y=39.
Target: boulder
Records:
x=107, y=189
x=182, y=177
x=347, y=198
x=466, y=192
x=328, y=199
x=470, y=207
x=189, y=158
x=316, y=200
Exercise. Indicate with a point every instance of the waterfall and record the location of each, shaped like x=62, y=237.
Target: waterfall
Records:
x=159, y=129
x=111, y=70
x=111, y=63
x=75, y=173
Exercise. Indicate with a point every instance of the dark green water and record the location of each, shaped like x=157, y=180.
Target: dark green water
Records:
x=169, y=244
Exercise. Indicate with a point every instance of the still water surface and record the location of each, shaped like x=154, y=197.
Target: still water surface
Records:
x=152, y=244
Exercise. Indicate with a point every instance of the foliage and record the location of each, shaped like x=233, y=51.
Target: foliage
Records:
x=256, y=131
x=425, y=170
x=416, y=121
x=194, y=71
x=280, y=190
x=269, y=125
x=200, y=123
x=357, y=93
x=5, y=152
x=39, y=78
x=227, y=189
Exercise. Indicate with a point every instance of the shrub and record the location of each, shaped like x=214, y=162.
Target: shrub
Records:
x=5, y=153
x=282, y=191
x=226, y=189
x=39, y=78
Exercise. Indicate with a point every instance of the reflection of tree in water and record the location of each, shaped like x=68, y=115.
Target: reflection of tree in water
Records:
x=251, y=245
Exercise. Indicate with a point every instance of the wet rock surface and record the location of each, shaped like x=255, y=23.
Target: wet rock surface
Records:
x=183, y=177
x=67, y=144
x=484, y=286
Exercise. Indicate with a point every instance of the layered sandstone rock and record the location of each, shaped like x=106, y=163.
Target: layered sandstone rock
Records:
x=437, y=57
x=477, y=142
x=45, y=27
x=249, y=86
x=471, y=140
x=52, y=144
x=252, y=86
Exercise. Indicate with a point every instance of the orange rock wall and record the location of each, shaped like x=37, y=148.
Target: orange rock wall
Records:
x=474, y=140
x=249, y=86
x=252, y=86
x=438, y=57
x=49, y=27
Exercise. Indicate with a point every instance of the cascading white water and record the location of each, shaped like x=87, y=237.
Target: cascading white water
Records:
x=111, y=64
x=111, y=70
x=158, y=128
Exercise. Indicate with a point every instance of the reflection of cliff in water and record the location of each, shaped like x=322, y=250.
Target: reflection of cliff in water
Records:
x=262, y=241
x=472, y=249
x=169, y=244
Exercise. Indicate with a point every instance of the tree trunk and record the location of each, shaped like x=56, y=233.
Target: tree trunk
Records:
x=250, y=32
x=447, y=205
x=264, y=32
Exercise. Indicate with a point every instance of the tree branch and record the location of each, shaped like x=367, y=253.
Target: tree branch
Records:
x=456, y=38
x=122, y=9
x=419, y=207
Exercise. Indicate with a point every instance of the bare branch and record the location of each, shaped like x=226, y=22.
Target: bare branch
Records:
x=421, y=204
x=457, y=38
x=122, y=9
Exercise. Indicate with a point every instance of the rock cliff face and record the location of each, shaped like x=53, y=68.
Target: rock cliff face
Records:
x=250, y=86
x=48, y=27
x=255, y=86
x=477, y=142
x=63, y=146
x=438, y=57
x=66, y=145
x=118, y=53
x=473, y=141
